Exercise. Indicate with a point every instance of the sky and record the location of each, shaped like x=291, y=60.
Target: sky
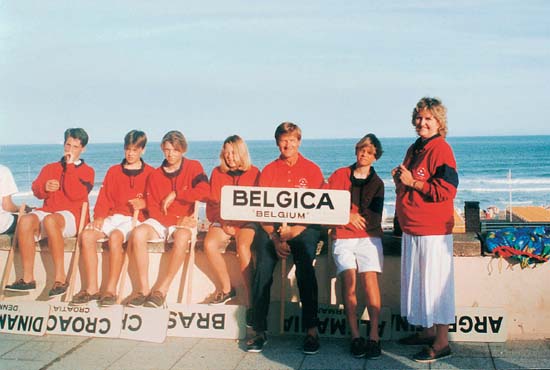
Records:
x=339, y=69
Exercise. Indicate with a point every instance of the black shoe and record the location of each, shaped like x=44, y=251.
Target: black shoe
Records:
x=21, y=286
x=358, y=348
x=58, y=289
x=257, y=343
x=311, y=344
x=429, y=354
x=249, y=317
x=107, y=300
x=373, y=349
x=137, y=300
x=221, y=297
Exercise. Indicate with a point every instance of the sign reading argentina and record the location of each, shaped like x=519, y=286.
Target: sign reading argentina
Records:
x=296, y=205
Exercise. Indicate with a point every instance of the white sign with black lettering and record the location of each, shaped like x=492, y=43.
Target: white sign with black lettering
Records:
x=24, y=317
x=472, y=324
x=88, y=320
x=205, y=321
x=295, y=205
x=145, y=324
x=332, y=321
x=479, y=324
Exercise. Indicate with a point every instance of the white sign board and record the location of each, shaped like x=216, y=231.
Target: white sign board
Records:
x=332, y=321
x=205, y=321
x=479, y=324
x=26, y=317
x=293, y=205
x=472, y=324
x=88, y=320
x=145, y=324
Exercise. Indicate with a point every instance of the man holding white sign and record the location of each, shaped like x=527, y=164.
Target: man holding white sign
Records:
x=290, y=170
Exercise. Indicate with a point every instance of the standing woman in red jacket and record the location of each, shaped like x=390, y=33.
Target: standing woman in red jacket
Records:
x=234, y=169
x=426, y=184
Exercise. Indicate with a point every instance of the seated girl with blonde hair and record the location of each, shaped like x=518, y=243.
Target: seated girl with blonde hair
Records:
x=234, y=169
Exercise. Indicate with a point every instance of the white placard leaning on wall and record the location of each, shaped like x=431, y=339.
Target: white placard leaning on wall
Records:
x=24, y=317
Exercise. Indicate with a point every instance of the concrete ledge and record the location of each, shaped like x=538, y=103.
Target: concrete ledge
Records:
x=465, y=245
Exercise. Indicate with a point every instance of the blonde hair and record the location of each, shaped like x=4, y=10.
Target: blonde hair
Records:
x=177, y=140
x=240, y=150
x=436, y=108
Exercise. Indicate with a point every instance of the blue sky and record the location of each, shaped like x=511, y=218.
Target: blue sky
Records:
x=211, y=69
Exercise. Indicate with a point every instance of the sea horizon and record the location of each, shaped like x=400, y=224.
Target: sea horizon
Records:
x=484, y=164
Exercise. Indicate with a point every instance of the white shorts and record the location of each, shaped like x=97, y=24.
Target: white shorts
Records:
x=118, y=222
x=166, y=233
x=363, y=254
x=70, y=224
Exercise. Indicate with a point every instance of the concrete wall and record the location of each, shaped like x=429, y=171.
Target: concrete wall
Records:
x=480, y=282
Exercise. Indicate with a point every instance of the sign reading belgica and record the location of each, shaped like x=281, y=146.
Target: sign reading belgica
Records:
x=293, y=205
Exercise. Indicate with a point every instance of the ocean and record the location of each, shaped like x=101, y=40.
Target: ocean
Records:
x=484, y=165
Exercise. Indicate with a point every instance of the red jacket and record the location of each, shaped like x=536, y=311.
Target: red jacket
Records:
x=304, y=174
x=431, y=210
x=119, y=186
x=367, y=199
x=218, y=179
x=76, y=182
x=190, y=184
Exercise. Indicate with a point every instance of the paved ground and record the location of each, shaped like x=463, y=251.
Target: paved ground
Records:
x=65, y=352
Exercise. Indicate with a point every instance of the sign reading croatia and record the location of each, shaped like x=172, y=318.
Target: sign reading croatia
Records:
x=295, y=205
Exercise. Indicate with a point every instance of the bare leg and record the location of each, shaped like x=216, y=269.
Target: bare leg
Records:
x=54, y=224
x=212, y=241
x=372, y=290
x=244, y=240
x=140, y=255
x=88, y=249
x=175, y=258
x=441, y=336
x=116, y=259
x=349, y=283
x=28, y=227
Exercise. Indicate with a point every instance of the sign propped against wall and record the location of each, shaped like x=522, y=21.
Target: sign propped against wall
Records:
x=294, y=205
x=145, y=324
x=25, y=317
x=479, y=324
x=88, y=320
x=332, y=321
x=472, y=324
x=205, y=321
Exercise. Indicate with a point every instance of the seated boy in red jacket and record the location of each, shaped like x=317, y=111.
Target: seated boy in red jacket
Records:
x=64, y=186
x=122, y=193
x=172, y=190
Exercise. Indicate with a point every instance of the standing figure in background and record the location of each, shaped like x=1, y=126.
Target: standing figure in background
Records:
x=171, y=192
x=358, y=245
x=235, y=169
x=64, y=186
x=290, y=170
x=426, y=185
x=122, y=193
x=8, y=220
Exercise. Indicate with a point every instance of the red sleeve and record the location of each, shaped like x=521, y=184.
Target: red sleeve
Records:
x=105, y=200
x=39, y=184
x=154, y=199
x=78, y=182
x=200, y=189
x=442, y=183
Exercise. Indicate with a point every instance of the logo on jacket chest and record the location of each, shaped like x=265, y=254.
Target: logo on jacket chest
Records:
x=421, y=172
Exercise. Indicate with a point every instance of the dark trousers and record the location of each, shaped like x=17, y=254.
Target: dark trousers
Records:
x=303, y=248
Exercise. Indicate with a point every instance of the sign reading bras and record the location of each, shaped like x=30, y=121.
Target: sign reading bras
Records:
x=295, y=205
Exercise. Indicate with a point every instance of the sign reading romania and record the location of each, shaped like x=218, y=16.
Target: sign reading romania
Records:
x=294, y=205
